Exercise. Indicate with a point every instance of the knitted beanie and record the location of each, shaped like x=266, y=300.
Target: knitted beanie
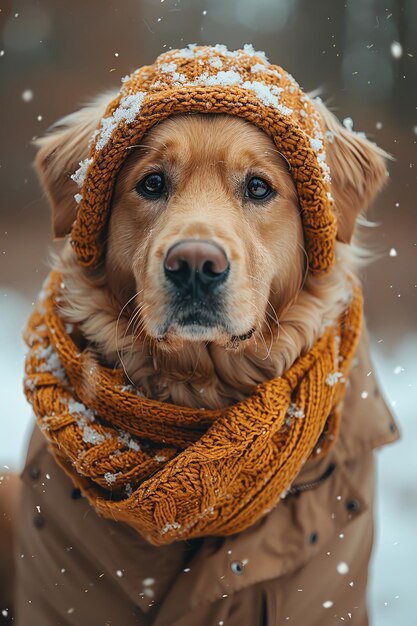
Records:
x=209, y=79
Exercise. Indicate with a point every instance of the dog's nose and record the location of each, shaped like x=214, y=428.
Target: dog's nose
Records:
x=196, y=262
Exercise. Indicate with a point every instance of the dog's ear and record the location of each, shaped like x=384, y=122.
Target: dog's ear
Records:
x=357, y=169
x=59, y=155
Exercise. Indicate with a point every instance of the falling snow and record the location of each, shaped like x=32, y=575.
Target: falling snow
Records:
x=396, y=49
x=27, y=95
x=342, y=568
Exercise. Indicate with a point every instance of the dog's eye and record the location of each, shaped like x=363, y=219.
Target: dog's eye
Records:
x=151, y=187
x=258, y=189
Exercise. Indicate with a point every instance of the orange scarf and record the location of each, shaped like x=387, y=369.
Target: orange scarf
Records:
x=172, y=472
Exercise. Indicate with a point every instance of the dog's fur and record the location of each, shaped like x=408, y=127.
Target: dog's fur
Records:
x=271, y=309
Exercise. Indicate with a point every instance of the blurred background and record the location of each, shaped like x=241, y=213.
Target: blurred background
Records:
x=55, y=56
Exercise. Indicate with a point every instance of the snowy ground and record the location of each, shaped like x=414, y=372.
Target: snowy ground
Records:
x=392, y=589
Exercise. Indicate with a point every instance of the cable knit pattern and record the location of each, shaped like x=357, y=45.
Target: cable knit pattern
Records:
x=210, y=79
x=172, y=472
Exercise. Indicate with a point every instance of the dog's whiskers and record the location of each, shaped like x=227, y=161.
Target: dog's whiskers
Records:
x=140, y=322
x=117, y=333
x=269, y=303
x=262, y=283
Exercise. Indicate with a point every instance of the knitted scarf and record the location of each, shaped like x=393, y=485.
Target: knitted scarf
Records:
x=172, y=472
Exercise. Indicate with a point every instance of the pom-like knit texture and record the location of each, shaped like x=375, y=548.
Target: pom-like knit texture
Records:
x=210, y=79
x=171, y=472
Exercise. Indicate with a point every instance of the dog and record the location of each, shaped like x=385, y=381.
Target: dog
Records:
x=204, y=294
x=272, y=311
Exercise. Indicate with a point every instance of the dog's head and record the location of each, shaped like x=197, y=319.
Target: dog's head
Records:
x=204, y=221
x=205, y=236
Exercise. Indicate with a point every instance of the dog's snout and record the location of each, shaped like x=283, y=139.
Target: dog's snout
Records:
x=195, y=261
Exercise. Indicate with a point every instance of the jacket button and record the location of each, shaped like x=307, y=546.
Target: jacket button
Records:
x=39, y=521
x=353, y=505
x=313, y=538
x=237, y=567
x=34, y=472
x=76, y=493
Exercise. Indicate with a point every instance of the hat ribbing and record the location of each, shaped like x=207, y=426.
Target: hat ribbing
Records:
x=210, y=79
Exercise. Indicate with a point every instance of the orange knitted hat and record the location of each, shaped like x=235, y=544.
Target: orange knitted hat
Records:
x=209, y=79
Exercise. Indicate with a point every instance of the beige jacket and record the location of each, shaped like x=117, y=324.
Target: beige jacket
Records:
x=304, y=564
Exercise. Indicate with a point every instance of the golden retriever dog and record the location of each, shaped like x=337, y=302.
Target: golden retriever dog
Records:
x=205, y=291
